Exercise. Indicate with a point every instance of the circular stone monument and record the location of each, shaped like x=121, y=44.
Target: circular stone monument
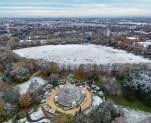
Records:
x=70, y=95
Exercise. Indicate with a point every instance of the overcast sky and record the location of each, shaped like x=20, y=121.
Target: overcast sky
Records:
x=74, y=8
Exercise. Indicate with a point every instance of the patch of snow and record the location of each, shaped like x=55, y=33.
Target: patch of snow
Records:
x=34, y=116
x=23, y=88
x=97, y=101
x=134, y=116
x=80, y=54
x=134, y=23
x=10, y=121
x=38, y=114
x=21, y=41
x=142, y=32
x=23, y=120
x=132, y=38
x=145, y=44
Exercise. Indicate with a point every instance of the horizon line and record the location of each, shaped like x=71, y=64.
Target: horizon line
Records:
x=141, y=16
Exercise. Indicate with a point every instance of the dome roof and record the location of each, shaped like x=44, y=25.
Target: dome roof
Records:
x=69, y=94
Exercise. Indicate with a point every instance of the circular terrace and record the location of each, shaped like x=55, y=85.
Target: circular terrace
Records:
x=69, y=99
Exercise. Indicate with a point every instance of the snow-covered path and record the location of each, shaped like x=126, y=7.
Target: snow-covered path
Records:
x=134, y=116
x=80, y=54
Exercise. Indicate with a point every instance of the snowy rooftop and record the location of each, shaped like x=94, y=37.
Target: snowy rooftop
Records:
x=80, y=54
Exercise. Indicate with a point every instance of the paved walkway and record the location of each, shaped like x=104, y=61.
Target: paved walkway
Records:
x=35, y=120
x=85, y=104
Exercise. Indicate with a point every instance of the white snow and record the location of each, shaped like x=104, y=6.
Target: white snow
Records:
x=23, y=88
x=34, y=116
x=134, y=23
x=97, y=101
x=10, y=121
x=145, y=44
x=21, y=41
x=132, y=38
x=38, y=114
x=80, y=54
x=134, y=116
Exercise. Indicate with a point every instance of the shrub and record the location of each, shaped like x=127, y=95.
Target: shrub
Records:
x=54, y=79
x=9, y=94
x=25, y=100
x=2, y=105
x=68, y=119
x=80, y=73
x=54, y=68
x=20, y=74
x=105, y=113
x=36, y=92
x=1, y=68
x=137, y=85
x=30, y=64
x=7, y=110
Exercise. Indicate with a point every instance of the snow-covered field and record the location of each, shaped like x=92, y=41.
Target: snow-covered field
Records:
x=80, y=54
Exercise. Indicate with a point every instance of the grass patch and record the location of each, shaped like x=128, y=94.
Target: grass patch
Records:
x=13, y=39
x=138, y=105
x=68, y=119
x=119, y=81
x=39, y=74
x=98, y=82
x=42, y=36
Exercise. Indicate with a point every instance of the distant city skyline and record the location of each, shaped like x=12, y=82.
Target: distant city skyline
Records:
x=74, y=8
